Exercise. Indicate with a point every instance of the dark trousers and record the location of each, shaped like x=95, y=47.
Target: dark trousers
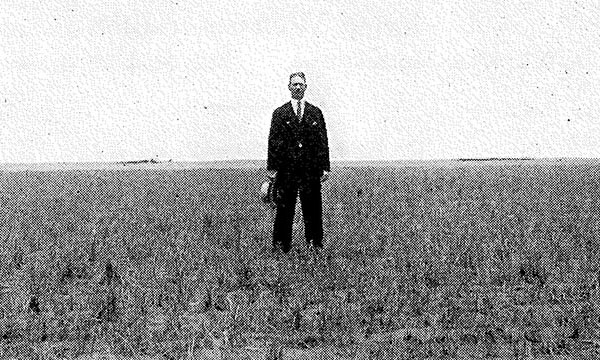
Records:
x=288, y=187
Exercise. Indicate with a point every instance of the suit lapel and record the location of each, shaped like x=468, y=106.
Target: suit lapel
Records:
x=305, y=114
x=291, y=114
x=292, y=119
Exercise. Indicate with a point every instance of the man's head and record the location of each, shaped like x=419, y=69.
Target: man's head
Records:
x=297, y=85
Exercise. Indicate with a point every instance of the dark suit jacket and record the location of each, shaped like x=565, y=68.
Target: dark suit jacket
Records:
x=298, y=147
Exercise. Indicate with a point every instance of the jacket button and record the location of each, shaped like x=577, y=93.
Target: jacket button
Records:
x=299, y=145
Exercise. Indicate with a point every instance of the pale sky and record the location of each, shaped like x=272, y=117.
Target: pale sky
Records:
x=199, y=80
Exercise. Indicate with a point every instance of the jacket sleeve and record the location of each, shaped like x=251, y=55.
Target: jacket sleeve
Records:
x=275, y=144
x=324, y=148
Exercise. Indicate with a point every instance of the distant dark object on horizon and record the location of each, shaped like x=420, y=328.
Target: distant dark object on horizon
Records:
x=495, y=159
x=146, y=161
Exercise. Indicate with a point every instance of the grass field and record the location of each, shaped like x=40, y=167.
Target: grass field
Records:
x=419, y=262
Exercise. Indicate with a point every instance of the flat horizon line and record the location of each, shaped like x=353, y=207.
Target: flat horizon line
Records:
x=258, y=164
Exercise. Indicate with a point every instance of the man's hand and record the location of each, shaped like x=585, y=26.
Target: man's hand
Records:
x=271, y=174
x=325, y=176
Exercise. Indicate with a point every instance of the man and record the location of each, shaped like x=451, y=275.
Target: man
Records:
x=298, y=162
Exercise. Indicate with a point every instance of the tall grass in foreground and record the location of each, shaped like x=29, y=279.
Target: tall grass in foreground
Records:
x=418, y=263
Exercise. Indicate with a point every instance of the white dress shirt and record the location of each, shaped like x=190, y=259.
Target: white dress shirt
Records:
x=295, y=106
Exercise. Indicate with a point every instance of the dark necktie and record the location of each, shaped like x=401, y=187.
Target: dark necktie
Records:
x=299, y=113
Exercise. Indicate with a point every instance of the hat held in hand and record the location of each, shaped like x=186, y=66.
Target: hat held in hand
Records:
x=267, y=193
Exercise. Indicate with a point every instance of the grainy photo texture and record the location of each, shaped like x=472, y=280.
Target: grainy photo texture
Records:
x=299, y=180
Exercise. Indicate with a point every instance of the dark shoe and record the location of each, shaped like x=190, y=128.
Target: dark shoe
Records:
x=314, y=244
x=276, y=249
x=281, y=248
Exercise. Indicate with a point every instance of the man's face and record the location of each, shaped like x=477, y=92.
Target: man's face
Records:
x=297, y=87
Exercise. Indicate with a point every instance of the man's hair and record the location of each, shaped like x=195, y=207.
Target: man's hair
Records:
x=300, y=74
